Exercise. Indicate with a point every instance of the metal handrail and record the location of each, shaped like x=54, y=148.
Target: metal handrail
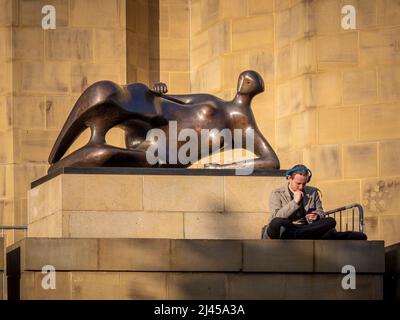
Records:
x=5, y=228
x=361, y=225
x=13, y=228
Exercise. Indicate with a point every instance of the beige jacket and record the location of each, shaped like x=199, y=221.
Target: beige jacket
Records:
x=281, y=204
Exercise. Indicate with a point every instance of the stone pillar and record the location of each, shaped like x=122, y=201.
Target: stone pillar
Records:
x=7, y=19
x=158, y=43
x=47, y=70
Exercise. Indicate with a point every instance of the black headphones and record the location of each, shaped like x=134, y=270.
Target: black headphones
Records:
x=304, y=169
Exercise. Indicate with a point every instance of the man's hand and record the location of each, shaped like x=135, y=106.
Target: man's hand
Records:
x=160, y=88
x=312, y=216
x=298, y=196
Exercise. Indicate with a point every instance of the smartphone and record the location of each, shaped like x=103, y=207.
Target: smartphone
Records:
x=310, y=210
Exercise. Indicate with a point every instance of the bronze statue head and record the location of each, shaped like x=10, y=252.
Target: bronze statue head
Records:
x=250, y=83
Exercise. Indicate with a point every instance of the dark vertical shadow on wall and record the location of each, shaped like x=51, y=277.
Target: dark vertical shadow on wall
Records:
x=131, y=41
x=143, y=41
x=13, y=273
x=154, y=41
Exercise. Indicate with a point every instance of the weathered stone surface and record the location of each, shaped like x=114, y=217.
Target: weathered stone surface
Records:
x=338, y=124
x=329, y=287
x=28, y=112
x=51, y=226
x=359, y=86
x=49, y=77
x=360, y=160
x=366, y=257
x=227, y=225
x=325, y=160
x=206, y=255
x=84, y=75
x=143, y=285
x=302, y=286
x=389, y=82
x=336, y=194
x=30, y=12
x=102, y=192
x=252, y=32
x=95, y=285
x=104, y=13
x=278, y=256
x=388, y=12
x=28, y=43
x=339, y=50
x=390, y=229
x=379, y=121
x=198, y=286
x=117, y=224
x=246, y=194
x=70, y=44
x=134, y=254
x=379, y=197
x=32, y=289
x=378, y=47
x=63, y=254
x=196, y=194
x=256, y=286
x=45, y=200
x=389, y=153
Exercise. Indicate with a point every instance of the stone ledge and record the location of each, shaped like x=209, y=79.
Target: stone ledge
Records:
x=365, y=256
x=275, y=256
x=267, y=256
x=156, y=171
x=78, y=285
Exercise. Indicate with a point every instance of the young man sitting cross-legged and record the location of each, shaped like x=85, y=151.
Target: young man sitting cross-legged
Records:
x=296, y=211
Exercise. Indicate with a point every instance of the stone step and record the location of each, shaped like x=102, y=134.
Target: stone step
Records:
x=277, y=256
x=87, y=285
x=195, y=269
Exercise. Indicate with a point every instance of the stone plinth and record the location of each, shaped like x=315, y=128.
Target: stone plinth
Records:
x=151, y=203
x=196, y=269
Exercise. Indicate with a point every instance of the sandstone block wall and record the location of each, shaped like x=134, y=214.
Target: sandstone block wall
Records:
x=332, y=94
x=2, y=269
x=331, y=100
x=147, y=206
x=197, y=269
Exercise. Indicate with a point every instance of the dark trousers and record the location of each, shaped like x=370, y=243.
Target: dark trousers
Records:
x=323, y=228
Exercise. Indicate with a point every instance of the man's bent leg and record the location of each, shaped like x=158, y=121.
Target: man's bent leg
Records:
x=344, y=235
x=274, y=228
x=316, y=229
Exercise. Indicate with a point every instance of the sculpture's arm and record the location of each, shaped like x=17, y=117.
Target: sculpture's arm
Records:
x=161, y=89
x=267, y=158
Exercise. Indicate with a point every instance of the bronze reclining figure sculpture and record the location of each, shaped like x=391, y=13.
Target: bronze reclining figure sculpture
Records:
x=137, y=109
